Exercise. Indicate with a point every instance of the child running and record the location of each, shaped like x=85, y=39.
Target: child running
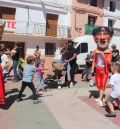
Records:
x=115, y=94
x=28, y=73
x=39, y=79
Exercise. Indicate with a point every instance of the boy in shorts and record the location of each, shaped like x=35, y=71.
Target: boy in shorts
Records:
x=114, y=83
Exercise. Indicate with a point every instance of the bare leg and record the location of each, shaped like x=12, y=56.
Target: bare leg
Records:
x=101, y=94
x=110, y=105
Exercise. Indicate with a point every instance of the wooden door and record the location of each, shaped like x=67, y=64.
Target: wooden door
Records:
x=51, y=25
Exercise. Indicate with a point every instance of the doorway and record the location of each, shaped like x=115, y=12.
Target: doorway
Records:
x=51, y=24
x=50, y=48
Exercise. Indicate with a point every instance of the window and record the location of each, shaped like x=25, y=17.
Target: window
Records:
x=84, y=48
x=7, y=13
x=50, y=48
x=110, y=23
x=93, y=3
x=91, y=20
x=112, y=6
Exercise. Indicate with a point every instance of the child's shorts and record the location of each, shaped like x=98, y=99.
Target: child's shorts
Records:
x=110, y=99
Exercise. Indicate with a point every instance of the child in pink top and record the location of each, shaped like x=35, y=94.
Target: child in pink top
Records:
x=39, y=78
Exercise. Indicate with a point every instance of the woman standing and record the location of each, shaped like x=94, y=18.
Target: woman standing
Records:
x=37, y=55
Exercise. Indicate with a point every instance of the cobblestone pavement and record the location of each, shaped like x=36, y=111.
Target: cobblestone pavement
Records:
x=59, y=109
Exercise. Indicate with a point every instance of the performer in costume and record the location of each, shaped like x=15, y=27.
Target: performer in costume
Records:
x=2, y=90
x=101, y=59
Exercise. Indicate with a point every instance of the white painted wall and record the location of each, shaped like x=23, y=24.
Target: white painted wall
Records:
x=112, y=15
x=37, y=13
x=31, y=42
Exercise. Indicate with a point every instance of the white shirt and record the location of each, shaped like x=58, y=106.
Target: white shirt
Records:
x=100, y=60
x=4, y=60
x=115, y=82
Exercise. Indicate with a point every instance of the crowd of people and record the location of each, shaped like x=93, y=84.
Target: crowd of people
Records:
x=98, y=67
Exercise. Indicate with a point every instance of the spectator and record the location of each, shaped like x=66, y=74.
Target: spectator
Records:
x=63, y=51
x=88, y=67
x=37, y=55
x=115, y=53
x=16, y=56
x=71, y=61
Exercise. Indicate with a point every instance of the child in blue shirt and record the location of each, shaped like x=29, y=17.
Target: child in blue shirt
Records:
x=28, y=73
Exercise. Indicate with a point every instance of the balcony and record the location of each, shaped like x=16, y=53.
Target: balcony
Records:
x=55, y=31
x=89, y=29
x=33, y=28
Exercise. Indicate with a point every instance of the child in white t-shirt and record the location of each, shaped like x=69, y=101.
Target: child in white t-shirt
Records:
x=4, y=63
x=115, y=94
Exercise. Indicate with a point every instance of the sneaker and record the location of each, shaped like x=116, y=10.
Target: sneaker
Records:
x=18, y=100
x=91, y=83
x=103, y=100
x=100, y=103
x=111, y=114
x=96, y=100
x=71, y=85
x=59, y=87
x=36, y=101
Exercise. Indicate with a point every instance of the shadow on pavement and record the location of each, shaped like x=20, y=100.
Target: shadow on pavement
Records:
x=9, y=101
x=94, y=94
x=12, y=91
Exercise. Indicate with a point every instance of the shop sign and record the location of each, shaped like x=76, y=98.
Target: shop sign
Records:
x=10, y=25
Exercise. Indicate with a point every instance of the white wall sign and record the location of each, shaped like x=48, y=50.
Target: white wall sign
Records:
x=10, y=25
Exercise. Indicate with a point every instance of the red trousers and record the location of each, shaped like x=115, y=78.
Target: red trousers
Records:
x=101, y=78
x=2, y=90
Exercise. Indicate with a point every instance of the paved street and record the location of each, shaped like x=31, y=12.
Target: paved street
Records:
x=59, y=109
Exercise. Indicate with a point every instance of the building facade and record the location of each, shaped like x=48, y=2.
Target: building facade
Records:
x=112, y=15
x=86, y=15
x=36, y=22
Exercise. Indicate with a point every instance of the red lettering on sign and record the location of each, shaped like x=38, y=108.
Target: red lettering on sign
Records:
x=11, y=24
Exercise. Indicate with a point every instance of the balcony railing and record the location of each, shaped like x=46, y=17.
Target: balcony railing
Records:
x=89, y=29
x=33, y=28
x=51, y=30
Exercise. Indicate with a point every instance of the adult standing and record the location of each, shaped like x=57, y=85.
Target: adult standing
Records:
x=63, y=51
x=2, y=89
x=102, y=59
x=37, y=55
x=70, y=56
x=16, y=56
x=87, y=69
x=115, y=53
